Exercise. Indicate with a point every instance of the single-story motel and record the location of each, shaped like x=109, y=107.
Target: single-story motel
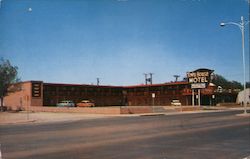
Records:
x=40, y=95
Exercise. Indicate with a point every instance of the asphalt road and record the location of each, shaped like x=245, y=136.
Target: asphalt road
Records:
x=221, y=135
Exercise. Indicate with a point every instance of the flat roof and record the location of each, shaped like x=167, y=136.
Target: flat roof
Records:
x=159, y=84
x=88, y=85
x=110, y=86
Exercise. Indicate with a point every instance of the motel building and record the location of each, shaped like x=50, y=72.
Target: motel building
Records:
x=40, y=94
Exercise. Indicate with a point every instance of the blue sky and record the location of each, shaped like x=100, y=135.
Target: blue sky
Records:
x=76, y=41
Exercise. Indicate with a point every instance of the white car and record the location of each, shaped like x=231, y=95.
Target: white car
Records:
x=175, y=102
x=66, y=103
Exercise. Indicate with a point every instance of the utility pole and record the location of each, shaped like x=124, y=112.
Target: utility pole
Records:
x=176, y=77
x=146, y=78
x=97, y=81
x=151, y=78
x=1, y=3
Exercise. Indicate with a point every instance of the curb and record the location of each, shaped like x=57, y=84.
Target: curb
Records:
x=243, y=115
x=19, y=122
x=153, y=114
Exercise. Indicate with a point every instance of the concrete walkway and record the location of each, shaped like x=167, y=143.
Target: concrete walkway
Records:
x=42, y=117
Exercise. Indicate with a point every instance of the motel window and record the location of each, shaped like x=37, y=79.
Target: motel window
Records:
x=89, y=89
x=130, y=90
x=46, y=88
x=182, y=86
x=154, y=89
x=77, y=89
x=93, y=90
x=85, y=90
x=139, y=93
x=171, y=87
x=98, y=90
x=165, y=88
x=49, y=88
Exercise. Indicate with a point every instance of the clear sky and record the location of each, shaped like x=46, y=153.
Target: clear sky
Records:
x=76, y=41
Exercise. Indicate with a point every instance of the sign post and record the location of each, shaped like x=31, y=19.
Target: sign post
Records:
x=192, y=97
x=199, y=97
x=153, y=101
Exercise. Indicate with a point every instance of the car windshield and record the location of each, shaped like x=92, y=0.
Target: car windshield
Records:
x=85, y=101
x=65, y=102
x=175, y=100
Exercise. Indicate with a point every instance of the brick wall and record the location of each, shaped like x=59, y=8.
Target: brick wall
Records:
x=22, y=97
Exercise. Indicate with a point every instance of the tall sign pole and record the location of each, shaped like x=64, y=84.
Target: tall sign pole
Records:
x=153, y=101
x=192, y=97
x=199, y=97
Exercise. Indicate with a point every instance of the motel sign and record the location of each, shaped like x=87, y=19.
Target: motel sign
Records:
x=199, y=78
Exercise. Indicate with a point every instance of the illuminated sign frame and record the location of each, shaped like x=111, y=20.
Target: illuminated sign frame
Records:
x=199, y=78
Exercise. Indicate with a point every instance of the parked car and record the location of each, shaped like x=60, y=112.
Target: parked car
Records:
x=176, y=102
x=85, y=103
x=66, y=103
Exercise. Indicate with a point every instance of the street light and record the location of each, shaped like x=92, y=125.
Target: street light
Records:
x=241, y=25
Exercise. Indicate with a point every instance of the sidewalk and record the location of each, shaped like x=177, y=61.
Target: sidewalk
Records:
x=24, y=117
x=43, y=117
